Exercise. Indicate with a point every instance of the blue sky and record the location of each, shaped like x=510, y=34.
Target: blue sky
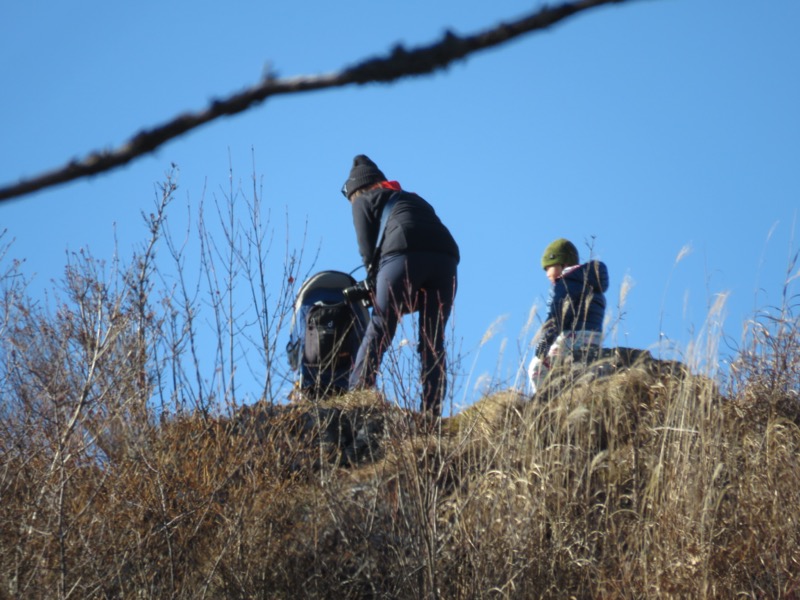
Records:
x=649, y=130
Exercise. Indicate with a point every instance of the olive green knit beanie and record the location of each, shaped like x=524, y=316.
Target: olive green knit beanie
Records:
x=560, y=252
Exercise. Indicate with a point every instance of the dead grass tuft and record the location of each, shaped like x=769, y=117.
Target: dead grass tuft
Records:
x=122, y=476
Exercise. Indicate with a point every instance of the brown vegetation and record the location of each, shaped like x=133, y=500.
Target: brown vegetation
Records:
x=644, y=482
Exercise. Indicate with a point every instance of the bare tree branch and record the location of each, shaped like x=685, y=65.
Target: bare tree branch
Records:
x=399, y=64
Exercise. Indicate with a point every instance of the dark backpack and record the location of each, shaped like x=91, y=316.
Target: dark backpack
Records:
x=331, y=340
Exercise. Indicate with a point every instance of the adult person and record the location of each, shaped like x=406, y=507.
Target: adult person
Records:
x=411, y=260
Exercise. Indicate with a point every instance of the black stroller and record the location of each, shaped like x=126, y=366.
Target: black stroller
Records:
x=325, y=335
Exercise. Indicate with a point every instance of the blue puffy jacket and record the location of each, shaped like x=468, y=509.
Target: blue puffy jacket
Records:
x=577, y=302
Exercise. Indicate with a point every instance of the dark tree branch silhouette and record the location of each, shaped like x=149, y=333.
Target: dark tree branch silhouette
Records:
x=400, y=63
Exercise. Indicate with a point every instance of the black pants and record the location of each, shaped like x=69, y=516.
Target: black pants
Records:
x=423, y=282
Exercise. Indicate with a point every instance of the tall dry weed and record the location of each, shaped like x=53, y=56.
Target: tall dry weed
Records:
x=129, y=470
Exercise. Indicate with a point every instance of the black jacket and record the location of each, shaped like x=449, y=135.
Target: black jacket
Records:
x=412, y=226
x=577, y=302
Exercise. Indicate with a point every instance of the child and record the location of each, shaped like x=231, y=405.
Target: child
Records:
x=576, y=307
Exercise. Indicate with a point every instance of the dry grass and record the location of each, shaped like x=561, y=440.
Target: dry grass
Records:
x=645, y=484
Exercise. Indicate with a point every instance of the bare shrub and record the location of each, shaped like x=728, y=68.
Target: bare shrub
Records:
x=131, y=465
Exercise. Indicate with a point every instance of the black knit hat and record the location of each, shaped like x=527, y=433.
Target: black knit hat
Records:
x=364, y=172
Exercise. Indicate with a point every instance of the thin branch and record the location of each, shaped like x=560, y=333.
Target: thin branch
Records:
x=400, y=63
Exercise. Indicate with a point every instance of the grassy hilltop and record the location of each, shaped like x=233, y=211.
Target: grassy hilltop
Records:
x=128, y=469
x=645, y=483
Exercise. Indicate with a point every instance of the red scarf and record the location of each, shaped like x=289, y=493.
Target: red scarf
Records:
x=391, y=185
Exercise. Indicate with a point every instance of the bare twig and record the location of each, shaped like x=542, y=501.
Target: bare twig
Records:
x=400, y=63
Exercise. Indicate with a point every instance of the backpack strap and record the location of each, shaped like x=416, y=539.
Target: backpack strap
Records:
x=372, y=269
x=387, y=210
